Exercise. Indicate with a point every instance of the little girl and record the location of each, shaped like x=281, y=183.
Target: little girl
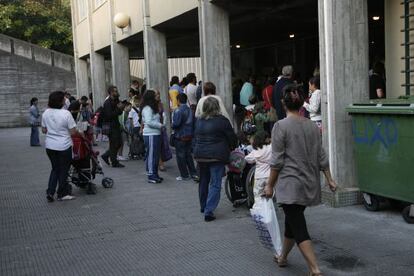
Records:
x=261, y=155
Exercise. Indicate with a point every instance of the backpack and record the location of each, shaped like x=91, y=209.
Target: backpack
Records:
x=237, y=162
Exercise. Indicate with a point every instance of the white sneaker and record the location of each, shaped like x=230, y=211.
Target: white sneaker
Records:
x=121, y=158
x=66, y=197
x=179, y=178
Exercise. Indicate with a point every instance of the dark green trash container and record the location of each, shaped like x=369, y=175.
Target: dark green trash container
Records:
x=383, y=135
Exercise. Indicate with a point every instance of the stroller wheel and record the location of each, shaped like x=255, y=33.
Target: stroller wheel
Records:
x=107, y=182
x=91, y=189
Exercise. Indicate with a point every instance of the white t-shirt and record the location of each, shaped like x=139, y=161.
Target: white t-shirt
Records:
x=191, y=91
x=135, y=118
x=58, y=122
x=67, y=104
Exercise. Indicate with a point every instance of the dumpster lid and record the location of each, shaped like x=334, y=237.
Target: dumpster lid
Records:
x=403, y=107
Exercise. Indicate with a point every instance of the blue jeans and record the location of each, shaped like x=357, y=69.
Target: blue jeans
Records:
x=185, y=160
x=34, y=136
x=60, y=161
x=211, y=174
x=152, y=155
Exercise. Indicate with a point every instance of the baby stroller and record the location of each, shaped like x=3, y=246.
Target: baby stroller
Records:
x=239, y=180
x=85, y=165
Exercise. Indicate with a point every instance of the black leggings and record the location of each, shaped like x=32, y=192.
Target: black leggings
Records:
x=295, y=223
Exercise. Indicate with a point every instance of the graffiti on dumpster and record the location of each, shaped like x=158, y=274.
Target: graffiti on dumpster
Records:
x=383, y=131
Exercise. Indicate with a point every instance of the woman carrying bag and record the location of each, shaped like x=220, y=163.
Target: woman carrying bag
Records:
x=297, y=159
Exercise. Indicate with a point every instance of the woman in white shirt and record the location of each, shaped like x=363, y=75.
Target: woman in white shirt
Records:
x=314, y=105
x=58, y=125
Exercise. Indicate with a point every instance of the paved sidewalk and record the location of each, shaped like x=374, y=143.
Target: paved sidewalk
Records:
x=138, y=228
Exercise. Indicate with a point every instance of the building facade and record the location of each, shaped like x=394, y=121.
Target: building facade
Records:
x=237, y=37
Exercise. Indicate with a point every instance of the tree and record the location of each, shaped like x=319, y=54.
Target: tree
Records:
x=43, y=22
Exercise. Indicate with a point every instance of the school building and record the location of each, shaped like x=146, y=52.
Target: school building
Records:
x=342, y=38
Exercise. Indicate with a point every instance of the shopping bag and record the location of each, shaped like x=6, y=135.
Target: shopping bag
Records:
x=265, y=219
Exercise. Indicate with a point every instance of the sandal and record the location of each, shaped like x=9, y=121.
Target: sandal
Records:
x=315, y=274
x=280, y=262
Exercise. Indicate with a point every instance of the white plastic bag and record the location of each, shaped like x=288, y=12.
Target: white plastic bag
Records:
x=264, y=216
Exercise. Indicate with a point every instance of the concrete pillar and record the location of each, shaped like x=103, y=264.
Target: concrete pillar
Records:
x=97, y=64
x=215, y=49
x=81, y=66
x=98, y=79
x=82, y=82
x=156, y=62
x=120, y=59
x=343, y=35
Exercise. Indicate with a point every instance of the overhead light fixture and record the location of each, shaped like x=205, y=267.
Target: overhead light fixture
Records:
x=376, y=18
x=121, y=20
x=292, y=35
x=238, y=46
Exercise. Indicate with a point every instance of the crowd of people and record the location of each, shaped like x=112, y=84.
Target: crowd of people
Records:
x=278, y=126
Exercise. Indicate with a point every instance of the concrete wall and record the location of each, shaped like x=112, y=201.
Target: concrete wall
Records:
x=101, y=27
x=82, y=41
x=163, y=10
x=134, y=10
x=22, y=79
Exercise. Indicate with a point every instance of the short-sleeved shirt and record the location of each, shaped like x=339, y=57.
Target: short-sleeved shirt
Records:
x=375, y=82
x=173, y=93
x=135, y=117
x=298, y=155
x=191, y=91
x=58, y=123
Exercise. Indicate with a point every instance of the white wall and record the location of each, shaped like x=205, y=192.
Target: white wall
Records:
x=101, y=27
x=163, y=10
x=134, y=10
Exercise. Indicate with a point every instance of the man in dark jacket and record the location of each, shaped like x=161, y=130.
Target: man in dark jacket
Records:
x=112, y=108
x=183, y=126
x=277, y=94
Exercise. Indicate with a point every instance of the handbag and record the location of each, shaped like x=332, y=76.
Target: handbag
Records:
x=172, y=139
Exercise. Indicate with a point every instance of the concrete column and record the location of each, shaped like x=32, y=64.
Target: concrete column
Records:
x=120, y=59
x=343, y=35
x=81, y=66
x=82, y=82
x=97, y=64
x=98, y=79
x=215, y=55
x=156, y=62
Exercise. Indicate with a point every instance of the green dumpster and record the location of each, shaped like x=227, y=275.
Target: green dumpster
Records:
x=383, y=134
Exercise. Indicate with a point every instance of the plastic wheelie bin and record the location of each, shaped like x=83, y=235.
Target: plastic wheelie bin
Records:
x=383, y=135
